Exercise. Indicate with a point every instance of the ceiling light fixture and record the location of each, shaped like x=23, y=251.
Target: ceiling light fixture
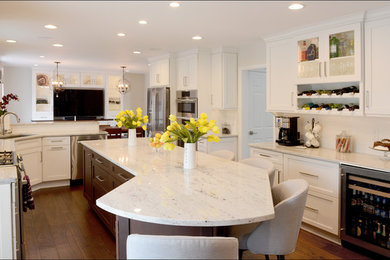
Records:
x=121, y=34
x=50, y=26
x=41, y=56
x=136, y=52
x=295, y=6
x=10, y=41
x=57, y=83
x=197, y=37
x=174, y=4
x=58, y=45
x=123, y=85
x=35, y=65
x=143, y=22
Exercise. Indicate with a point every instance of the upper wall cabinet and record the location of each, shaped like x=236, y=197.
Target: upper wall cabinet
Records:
x=377, y=57
x=159, y=73
x=70, y=79
x=187, y=72
x=281, y=75
x=332, y=55
x=224, y=80
x=94, y=80
x=114, y=100
x=42, y=96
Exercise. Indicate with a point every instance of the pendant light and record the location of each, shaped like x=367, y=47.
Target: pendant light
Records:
x=57, y=84
x=123, y=85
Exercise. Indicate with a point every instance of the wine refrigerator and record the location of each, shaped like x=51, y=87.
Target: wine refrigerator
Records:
x=365, y=208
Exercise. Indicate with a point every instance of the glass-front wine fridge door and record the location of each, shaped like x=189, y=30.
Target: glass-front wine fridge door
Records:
x=342, y=53
x=309, y=65
x=367, y=210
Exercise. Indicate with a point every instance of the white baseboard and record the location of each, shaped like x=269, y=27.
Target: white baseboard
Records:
x=328, y=236
x=50, y=184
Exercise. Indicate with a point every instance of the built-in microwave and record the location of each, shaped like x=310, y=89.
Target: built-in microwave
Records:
x=187, y=104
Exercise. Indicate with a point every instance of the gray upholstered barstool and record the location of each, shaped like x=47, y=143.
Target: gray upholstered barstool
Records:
x=226, y=154
x=263, y=164
x=277, y=236
x=181, y=247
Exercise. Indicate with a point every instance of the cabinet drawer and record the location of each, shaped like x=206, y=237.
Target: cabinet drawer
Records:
x=276, y=158
x=322, y=212
x=322, y=176
x=105, y=216
x=57, y=140
x=35, y=143
x=121, y=175
x=102, y=178
x=101, y=161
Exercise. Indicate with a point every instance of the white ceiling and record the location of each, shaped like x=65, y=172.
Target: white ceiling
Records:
x=88, y=29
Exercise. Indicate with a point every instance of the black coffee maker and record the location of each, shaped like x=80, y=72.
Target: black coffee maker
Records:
x=288, y=130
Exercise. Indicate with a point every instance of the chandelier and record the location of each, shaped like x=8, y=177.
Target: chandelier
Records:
x=57, y=83
x=123, y=85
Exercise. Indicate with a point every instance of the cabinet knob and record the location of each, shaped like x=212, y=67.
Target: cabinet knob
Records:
x=252, y=133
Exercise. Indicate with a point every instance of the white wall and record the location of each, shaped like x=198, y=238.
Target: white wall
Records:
x=18, y=80
x=136, y=97
x=364, y=130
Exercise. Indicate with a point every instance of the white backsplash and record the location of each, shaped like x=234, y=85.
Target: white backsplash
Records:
x=228, y=116
x=363, y=130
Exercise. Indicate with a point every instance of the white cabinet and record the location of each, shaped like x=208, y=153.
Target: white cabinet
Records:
x=275, y=157
x=42, y=96
x=31, y=151
x=159, y=72
x=70, y=79
x=113, y=98
x=92, y=80
x=322, y=205
x=187, y=72
x=332, y=55
x=56, y=158
x=281, y=75
x=377, y=58
x=8, y=242
x=224, y=80
x=225, y=143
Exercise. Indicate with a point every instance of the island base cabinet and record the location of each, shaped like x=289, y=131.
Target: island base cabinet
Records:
x=107, y=218
x=126, y=227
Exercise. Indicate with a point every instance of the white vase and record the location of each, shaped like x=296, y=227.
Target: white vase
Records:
x=132, y=137
x=189, y=156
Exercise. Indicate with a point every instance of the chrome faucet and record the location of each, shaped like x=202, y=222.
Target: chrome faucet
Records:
x=2, y=120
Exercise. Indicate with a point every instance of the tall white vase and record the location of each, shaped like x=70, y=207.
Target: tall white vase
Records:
x=132, y=137
x=189, y=156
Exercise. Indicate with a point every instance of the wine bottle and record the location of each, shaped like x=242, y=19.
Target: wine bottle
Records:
x=334, y=47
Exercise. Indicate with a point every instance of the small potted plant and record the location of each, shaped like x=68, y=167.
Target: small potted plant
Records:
x=131, y=121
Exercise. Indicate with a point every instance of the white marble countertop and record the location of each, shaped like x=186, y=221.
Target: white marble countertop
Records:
x=217, y=193
x=8, y=174
x=375, y=162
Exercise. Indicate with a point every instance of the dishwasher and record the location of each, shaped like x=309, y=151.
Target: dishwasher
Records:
x=77, y=156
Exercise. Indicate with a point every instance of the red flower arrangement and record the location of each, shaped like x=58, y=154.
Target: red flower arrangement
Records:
x=5, y=101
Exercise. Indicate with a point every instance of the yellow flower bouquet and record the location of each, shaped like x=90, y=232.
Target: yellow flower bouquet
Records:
x=131, y=120
x=190, y=132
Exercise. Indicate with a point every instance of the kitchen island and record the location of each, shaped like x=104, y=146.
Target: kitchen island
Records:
x=163, y=198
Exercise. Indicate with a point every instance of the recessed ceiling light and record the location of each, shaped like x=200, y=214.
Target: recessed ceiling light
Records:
x=50, y=26
x=58, y=45
x=174, y=4
x=41, y=56
x=143, y=22
x=136, y=52
x=296, y=6
x=197, y=37
x=121, y=34
x=35, y=65
x=11, y=41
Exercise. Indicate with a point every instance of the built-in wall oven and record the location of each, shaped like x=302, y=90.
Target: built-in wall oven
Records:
x=365, y=209
x=187, y=107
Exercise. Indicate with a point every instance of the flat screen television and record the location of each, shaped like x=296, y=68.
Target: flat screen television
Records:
x=83, y=103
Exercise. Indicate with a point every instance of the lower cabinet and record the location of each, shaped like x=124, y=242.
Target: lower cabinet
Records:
x=56, y=159
x=31, y=151
x=225, y=143
x=275, y=158
x=100, y=177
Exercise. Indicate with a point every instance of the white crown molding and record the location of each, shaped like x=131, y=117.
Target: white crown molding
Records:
x=377, y=14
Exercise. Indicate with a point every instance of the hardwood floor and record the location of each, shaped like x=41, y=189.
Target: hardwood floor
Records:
x=62, y=226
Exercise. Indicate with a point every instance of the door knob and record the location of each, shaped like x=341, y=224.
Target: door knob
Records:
x=252, y=133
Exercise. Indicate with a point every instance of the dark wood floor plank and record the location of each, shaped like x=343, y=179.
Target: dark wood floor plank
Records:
x=64, y=227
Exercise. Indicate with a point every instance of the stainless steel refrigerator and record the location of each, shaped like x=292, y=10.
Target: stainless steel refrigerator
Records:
x=158, y=99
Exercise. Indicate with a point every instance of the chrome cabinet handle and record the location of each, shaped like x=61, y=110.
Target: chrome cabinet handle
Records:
x=56, y=148
x=320, y=69
x=367, y=98
x=292, y=99
x=55, y=141
x=264, y=155
x=325, y=71
x=98, y=161
x=100, y=179
x=309, y=174
x=312, y=209
x=252, y=133
x=123, y=177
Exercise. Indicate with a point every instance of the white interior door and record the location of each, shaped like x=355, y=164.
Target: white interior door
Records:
x=259, y=122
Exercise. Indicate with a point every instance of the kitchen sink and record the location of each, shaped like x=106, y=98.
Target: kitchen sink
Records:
x=9, y=136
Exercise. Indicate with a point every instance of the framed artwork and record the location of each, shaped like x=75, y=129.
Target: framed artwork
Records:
x=42, y=80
